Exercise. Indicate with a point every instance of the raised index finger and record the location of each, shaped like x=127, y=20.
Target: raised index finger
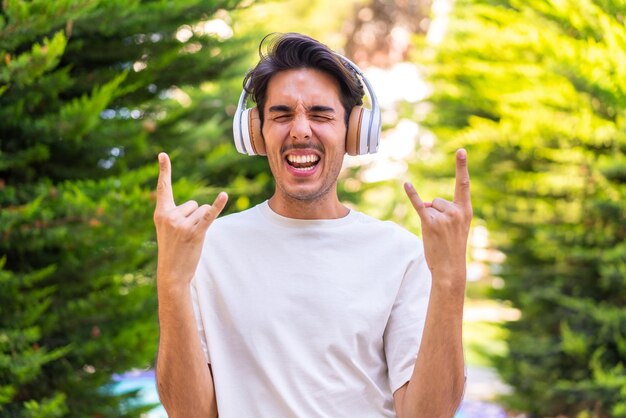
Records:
x=462, y=187
x=165, y=196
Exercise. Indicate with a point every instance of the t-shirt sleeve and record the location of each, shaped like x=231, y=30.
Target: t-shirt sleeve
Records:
x=199, y=323
x=403, y=333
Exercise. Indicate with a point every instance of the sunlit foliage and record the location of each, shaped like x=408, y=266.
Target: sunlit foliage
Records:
x=90, y=91
x=320, y=19
x=536, y=90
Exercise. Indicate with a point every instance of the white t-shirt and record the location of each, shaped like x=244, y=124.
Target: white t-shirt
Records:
x=309, y=318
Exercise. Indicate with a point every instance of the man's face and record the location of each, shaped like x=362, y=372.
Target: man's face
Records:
x=304, y=132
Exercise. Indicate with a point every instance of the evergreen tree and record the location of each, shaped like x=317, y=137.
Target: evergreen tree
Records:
x=536, y=90
x=90, y=92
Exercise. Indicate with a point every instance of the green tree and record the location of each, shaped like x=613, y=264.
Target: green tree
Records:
x=90, y=91
x=536, y=90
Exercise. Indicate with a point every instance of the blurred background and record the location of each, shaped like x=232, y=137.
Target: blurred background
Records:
x=92, y=90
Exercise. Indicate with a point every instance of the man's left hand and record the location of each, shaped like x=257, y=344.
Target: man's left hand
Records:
x=445, y=225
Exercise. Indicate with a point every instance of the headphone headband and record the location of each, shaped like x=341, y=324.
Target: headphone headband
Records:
x=364, y=125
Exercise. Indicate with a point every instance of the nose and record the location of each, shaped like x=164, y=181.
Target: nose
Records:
x=300, y=128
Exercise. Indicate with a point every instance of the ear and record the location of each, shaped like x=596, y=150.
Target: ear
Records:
x=254, y=127
x=353, y=136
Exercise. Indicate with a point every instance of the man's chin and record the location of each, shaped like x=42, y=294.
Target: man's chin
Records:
x=305, y=197
x=304, y=194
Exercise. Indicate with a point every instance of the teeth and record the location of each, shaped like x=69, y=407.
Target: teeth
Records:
x=301, y=159
x=304, y=168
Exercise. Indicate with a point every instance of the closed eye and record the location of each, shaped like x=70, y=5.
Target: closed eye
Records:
x=321, y=113
x=321, y=117
x=282, y=118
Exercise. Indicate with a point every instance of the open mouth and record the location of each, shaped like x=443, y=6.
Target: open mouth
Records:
x=303, y=162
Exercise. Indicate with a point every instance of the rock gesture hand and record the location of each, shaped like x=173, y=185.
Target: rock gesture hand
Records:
x=445, y=225
x=180, y=231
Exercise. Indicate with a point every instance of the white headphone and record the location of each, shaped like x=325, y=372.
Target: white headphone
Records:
x=364, y=125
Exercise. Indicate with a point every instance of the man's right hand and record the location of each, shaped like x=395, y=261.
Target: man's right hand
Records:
x=180, y=231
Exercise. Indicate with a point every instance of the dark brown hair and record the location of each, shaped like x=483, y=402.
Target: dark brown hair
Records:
x=291, y=51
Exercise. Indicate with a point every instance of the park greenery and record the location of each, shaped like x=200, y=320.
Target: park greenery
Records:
x=92, y=90
x=536, y=91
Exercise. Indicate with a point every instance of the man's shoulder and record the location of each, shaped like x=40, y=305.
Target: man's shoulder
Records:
x=389, y=229
x=238, y=219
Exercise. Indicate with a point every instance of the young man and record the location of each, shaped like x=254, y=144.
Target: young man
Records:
x=300, y=307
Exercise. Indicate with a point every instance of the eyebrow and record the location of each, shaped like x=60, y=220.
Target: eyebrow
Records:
x=314, y=108
x=320, y=108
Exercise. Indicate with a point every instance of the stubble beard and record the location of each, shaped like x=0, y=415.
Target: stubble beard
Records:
x=306, y=197
x=327, y=190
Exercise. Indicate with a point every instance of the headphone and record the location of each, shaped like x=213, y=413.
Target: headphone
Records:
x=364, y=125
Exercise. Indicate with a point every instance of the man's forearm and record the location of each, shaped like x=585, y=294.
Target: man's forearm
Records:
x=184, y=380
x=437, y=383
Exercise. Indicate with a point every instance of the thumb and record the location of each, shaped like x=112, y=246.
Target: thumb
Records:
x=415, y=199
x=211, y=212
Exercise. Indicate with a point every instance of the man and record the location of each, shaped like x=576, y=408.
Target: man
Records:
x=300, y=307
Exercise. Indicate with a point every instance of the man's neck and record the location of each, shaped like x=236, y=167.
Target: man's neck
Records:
x=328, y=207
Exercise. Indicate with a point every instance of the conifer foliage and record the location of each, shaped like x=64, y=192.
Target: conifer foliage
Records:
x=537, y=91
x=90, y=91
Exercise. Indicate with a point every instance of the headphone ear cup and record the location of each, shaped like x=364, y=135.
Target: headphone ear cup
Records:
x=254, y=128
x=365, y=140
x=251, y=138
x=353, y=137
